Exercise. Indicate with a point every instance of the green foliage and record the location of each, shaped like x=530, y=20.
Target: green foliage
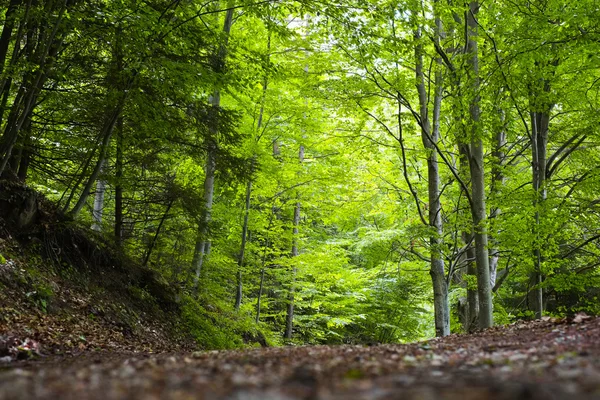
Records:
x=215, y=328
x=41, y=296
x=207, y=327
x=337, y=86
x=501, y=316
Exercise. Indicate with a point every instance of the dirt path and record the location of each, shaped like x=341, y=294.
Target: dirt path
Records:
x=534, y=360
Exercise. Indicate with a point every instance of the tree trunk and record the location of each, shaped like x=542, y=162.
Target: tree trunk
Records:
x=120, y=90
x=106, y=134
x=5, y=39
x=540, y=121
x=466, y=260
x=99, y=201
x=118, y=228
x=202, y=248
x=7, y=29
x=202, y=242
x=118, y=231
x=260, y=291
x=262, y=269
x=76, y=181
x=6, y=83
x=157, y=233
x=32, y=84
x=25, y=153
x=430, y=139
x=478, y=209
x=497, y=182
x=289, y=318
x=238, y=298
x=472, y=314
x=238, y=295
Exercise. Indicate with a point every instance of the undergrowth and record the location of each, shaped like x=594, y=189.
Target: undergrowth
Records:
x=58, y=268
x=214, y=327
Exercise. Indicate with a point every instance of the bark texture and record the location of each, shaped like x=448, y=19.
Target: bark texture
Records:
x=430, y=139
x=478, y=207
x=540, y=121
x=202, y=248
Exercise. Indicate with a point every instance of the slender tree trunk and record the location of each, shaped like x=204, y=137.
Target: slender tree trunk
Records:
x=478, y=208
x=289, y=318
x=238, y=295
x=118, y=231
x=540, y=121
x=467, y=258
x=24, y=163
x=21, y=167
x=6, y=86
x=32, y=85
x=7, y=29
x=76, y=181
x=99, y=201
x=118, y=228
x=430, y=139
x=260, y=291
x=6, y=83
x=262, y=268
x=19, y=164
x=202, y=248
x=119, y=89
x=472, y=314
x=157, y=233
x=106, y=134
x=497, y=182
x=5, y=39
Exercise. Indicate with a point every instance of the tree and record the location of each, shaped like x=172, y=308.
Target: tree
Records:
x=476, y=167
x=203, y=242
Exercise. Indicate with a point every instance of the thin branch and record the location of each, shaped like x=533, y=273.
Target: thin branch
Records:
x=585, y=243
x=552, y=167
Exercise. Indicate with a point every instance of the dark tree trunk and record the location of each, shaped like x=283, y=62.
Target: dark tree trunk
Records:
x=540, y=122
x=157, y=233
x=7, y=30
x=105, y=134
x=49, y=43
x=238, y=295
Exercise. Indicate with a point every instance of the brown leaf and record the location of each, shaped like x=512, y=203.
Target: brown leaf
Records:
x=581, y=317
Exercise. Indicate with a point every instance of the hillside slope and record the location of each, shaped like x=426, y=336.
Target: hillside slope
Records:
x=69, y=290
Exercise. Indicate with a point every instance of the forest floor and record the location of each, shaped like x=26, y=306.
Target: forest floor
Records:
x=544, y=359
x=79, y=320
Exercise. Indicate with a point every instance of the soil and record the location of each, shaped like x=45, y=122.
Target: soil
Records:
x=544, y=359
x=72, y=290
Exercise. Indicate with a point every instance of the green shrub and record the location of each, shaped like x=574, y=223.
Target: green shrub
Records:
x=217, y=327
x=209, y=329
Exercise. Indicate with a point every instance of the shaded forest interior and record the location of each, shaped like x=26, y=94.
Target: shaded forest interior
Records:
x=306, y=172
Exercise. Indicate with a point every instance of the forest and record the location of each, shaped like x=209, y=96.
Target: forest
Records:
x=321, y=172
